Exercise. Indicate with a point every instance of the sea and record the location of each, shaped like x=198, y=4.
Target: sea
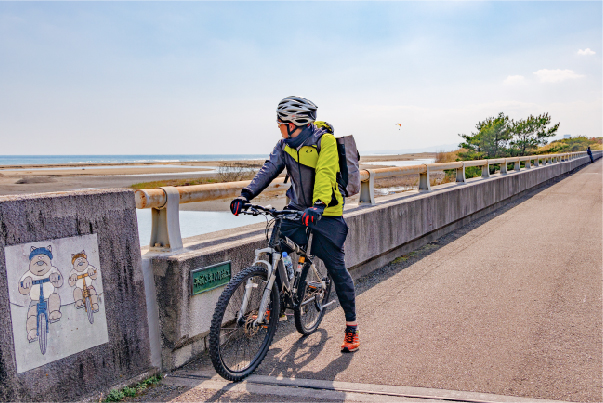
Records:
x=116, y=159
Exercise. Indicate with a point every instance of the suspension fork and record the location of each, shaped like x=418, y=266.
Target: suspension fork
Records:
x=276, y=258
x=272, y=265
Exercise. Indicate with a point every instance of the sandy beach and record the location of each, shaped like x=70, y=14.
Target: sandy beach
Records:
x=41, y=178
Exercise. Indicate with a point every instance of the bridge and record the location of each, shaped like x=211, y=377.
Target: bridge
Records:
x=488, y=289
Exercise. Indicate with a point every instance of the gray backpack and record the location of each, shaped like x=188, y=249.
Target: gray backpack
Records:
x=349, y=158
x=348, y=177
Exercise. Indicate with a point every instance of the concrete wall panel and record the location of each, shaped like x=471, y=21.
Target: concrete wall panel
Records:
x=104, y=220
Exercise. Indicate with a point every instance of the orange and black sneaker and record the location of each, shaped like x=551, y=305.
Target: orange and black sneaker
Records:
x=351, y=342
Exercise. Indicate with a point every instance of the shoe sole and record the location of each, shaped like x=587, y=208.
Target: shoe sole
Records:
x=347, y=350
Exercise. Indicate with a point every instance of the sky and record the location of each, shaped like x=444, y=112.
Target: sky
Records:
x=206, y=77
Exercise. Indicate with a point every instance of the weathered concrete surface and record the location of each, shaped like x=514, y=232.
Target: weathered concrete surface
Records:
x=193, y=386
x=508, y=305
x=377, y=234
x=110, y=214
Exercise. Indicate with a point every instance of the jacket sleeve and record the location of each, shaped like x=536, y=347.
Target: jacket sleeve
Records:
x=326, y=170
x=272, y=168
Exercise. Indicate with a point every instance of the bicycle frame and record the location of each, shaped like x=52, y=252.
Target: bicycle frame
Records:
x=276, y=268
x=85, y=291
x=42, y=306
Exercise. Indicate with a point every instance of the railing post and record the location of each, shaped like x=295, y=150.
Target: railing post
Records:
x=503, y=168
x=367, y=189
x=528, y=164
x=486, y=170
x=537, y=161
x=165, y=228
x=517, y=166
x=460, y=174
x=424, y=184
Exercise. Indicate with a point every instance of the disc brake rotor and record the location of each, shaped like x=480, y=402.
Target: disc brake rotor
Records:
x=251, y=329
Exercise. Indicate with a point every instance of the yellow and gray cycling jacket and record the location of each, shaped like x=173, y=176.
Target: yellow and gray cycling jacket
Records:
x=312, y=168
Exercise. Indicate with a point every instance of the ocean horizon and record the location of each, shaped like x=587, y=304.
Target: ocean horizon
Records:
x=151, y=158
x=111, y=159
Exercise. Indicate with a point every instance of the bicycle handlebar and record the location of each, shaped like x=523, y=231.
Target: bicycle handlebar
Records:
x=261, y=210
x=37, y=282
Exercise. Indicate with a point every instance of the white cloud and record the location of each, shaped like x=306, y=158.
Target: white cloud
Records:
x=512, y=80
x=556, y=76
x=586, y=52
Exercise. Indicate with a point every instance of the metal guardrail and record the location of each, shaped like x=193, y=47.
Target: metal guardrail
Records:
x=164, y=202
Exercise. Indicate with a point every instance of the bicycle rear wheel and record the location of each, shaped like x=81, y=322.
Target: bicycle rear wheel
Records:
x=237, y=344
x=313, y=291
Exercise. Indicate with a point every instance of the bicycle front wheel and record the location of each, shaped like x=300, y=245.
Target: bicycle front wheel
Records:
x=42, y=332
x=313, y=292
x=237, y=342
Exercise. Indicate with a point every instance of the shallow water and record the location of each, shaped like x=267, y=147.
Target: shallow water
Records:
x=404, y=163
x=195, y=223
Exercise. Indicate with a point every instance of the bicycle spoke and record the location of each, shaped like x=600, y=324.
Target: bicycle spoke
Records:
x=241, y=340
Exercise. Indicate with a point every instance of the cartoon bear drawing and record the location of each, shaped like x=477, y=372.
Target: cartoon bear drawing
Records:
x=83, y=272
x=40, y=269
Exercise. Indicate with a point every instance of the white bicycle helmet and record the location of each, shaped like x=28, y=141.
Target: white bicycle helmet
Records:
x=297, y=110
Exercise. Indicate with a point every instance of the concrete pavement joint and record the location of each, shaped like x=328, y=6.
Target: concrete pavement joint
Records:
x=405, y=392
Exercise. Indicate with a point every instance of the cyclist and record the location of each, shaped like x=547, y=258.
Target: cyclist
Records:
x=309, y=152
x=590, y=154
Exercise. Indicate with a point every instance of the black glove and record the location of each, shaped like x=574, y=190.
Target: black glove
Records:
x=313, y=214
x=236, y=206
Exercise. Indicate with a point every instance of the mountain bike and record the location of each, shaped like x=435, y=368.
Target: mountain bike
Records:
x=248, y=310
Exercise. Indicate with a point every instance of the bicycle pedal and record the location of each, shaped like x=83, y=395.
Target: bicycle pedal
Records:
x=314, y=285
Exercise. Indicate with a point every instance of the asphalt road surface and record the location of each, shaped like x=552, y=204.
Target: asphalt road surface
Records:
x=509, y=305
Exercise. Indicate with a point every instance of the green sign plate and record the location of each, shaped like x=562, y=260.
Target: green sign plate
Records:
x=208, y=278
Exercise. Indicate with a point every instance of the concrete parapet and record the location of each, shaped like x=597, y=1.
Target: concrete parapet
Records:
x=377, y=234
x=70, y=263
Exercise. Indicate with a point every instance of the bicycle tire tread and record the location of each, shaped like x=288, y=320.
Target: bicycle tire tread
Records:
x=216, y=323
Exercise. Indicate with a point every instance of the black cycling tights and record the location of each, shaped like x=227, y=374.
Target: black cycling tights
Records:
x=327, y=244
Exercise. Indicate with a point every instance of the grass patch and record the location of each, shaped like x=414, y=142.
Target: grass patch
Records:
x=174, y=182
x=116, y=395
x=422, y=249
x=403, y=258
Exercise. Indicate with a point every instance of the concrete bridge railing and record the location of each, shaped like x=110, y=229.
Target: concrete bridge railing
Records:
x=164, y=202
